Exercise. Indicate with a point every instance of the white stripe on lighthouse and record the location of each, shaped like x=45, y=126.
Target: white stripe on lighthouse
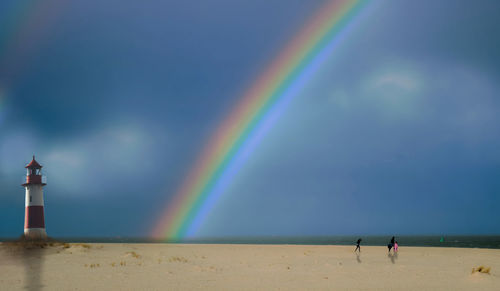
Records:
x=34, y=195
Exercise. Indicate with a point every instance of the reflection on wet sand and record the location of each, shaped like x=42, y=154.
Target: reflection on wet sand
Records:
x=29, y=254
x=33, y=266
x=393, y=257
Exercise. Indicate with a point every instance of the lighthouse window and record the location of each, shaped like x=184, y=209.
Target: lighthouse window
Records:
x=31, y=198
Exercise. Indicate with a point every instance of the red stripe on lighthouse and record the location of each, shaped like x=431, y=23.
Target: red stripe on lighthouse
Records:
x=34, y=217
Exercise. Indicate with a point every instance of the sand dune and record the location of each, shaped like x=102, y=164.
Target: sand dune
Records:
x=244, y=267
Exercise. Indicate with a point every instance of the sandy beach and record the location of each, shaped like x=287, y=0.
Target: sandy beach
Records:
x=244, y=267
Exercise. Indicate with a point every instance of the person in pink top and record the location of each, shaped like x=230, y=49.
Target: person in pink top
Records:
x=395, y=246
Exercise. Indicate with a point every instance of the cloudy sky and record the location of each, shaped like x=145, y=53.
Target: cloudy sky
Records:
x=397, y=132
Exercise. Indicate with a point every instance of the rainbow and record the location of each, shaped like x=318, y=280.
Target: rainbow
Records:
x=252, y=117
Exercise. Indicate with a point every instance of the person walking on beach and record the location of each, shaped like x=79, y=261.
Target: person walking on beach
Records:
x=396, y=246
x=357, y=245
x=391, y=244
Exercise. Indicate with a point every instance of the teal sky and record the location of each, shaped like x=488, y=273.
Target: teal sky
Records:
x=397, y=133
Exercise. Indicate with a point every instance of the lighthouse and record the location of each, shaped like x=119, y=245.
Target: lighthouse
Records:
x=34, y=222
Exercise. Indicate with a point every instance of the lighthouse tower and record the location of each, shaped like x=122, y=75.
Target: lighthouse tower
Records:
x=34, y=222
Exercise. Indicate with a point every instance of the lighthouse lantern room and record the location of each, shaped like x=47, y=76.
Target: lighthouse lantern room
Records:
x=34, y=222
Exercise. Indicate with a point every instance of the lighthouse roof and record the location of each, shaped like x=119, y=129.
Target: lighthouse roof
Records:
x=33, y=164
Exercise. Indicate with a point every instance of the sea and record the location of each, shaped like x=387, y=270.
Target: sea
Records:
x=454, y=241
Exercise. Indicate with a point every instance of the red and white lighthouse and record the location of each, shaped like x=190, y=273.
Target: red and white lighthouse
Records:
x=34, y=222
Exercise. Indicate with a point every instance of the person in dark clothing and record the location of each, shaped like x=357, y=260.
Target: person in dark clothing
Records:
x=357, y=245
x=391, y=244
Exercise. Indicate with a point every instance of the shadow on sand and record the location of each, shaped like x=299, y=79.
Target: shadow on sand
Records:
x=393, y=257
x=358, y=258
x=31, y=255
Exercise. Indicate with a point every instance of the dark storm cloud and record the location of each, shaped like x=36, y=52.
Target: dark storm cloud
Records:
x=396, y=132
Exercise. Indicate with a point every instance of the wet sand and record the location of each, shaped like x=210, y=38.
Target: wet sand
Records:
x=244, y=267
